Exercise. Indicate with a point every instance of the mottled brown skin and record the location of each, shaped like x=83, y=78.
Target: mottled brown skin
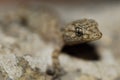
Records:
x=84, y=30
x=76, y=32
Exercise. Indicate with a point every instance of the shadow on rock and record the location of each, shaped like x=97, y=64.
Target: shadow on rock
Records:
x=83, y=51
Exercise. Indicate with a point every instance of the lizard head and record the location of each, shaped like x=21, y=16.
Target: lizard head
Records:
x=84, y=30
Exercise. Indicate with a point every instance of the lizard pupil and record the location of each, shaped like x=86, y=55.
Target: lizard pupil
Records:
x=78, y=31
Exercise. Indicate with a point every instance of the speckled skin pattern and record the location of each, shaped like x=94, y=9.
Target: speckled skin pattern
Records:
x=80, y=31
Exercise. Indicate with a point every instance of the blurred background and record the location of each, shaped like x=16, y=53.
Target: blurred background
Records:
x=105, y=12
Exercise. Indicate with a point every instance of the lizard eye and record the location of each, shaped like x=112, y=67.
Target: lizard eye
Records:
x=78, y=31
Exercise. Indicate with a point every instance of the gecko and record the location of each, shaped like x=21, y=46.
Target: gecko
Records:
x=75, y=32
x=48, y=27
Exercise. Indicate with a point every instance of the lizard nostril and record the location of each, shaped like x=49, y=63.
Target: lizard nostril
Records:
x=98, y=35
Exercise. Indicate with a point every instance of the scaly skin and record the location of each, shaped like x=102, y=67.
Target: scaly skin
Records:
x=84, y=30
